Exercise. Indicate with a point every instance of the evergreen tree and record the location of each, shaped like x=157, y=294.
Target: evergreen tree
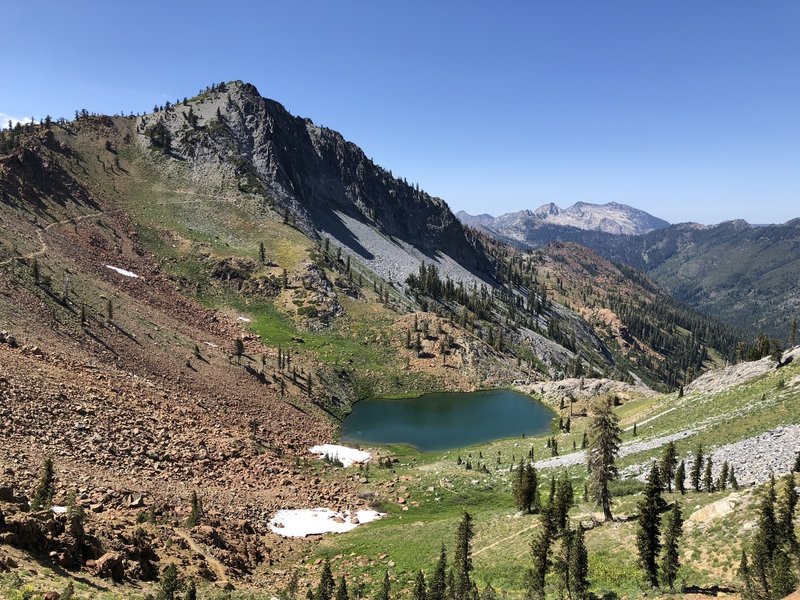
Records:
x=602, y=454
x=262, y=253
x=564, y=499
x=437, y=586
x=708, y=480
x=670, y=561
x=419, y=587
x=669, y=463
x=386, y=588
x=196, y=511
x=341, y=590
x=647, y=529
x=327, y=586
x=169, y=584
x=462, y=557
x=732, y=478
x=764, y=544
x=782, y=580
x=191, y=591
x=579, y=566
x=238, y=349
x=723, y=477
x=796, y=467
x=697, y=468
x=680, y=478
x=562, y=562
x=785, y=511
x=540, y=553
x=46, y=488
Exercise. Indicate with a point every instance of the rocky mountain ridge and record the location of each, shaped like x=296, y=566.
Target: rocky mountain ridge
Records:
x=611, y=218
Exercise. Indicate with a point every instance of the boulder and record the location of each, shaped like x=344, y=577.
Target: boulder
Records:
x=110, y=565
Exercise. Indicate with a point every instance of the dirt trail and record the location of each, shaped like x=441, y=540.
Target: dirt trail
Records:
x=505, y=539
x=216, y=566
x=43, y=243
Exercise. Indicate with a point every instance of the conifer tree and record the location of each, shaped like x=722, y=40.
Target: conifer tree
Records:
x=419, y=587
x=732, y=478
x=579, y=566
x=723, y=477
x=708, y=480
x=602, y=454
x=462, y=557
x=669, y=463
x=540, y=553
x=764, y=544
x=386, y=588
x=341, y=590
x=796, y=467
x=46, y=488
x=647, y=529
x=697, y=468
x=680, y=478
x=564, y=498
x=670, y=561
x=169, y=584
x=327, y=585
x=262, y=253
x=196, y=511
x=437, y=585
x=785, y=512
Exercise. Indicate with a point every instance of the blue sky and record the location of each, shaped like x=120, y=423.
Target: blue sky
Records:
x=689, y=110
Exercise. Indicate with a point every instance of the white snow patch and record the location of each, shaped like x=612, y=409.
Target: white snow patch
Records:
x=243, y=319
x=59, y=510
x=123, y=271
x=211, y=344
x=347, y=456
x=315, y=521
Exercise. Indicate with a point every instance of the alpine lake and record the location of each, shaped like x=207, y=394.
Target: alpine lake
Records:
x=446, y=420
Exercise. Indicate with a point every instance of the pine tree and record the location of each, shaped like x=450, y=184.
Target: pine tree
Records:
x=782, y=581
x=732, y=479
x=462, y=557
x=647, y=529
x=540, y=553
x=670, y=561
x=46, y=488
x=341, y=589
x=708, y=480
x=564, y=499
x=327, y=585
x=796, y=467
x=196, y=511
x=191, y=591
x=669, y=463
x=579, y=566
x=722, y=482
x=601, y=457
x=419, y=587
x=697, y=468
x=386, y=588
x=785, y=511
x=238, y=349
x=437, y=586
x=764, y=543
x=562, y=562
x=169, y=584
x=262, y=253
x=680, y=478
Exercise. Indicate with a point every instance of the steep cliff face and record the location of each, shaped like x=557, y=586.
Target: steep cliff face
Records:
x=328, y=185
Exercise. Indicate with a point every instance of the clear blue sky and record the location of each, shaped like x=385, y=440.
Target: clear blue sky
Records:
x=689, y=110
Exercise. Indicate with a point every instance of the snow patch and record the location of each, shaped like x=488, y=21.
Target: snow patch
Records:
x=243, y=319
x=59, y=510
x=123, y=271
x=315, y=521
x=211, y=344
x=347, y=456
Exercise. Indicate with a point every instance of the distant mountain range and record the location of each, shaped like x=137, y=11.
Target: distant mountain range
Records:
x=521, y=226
x=745, y=274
